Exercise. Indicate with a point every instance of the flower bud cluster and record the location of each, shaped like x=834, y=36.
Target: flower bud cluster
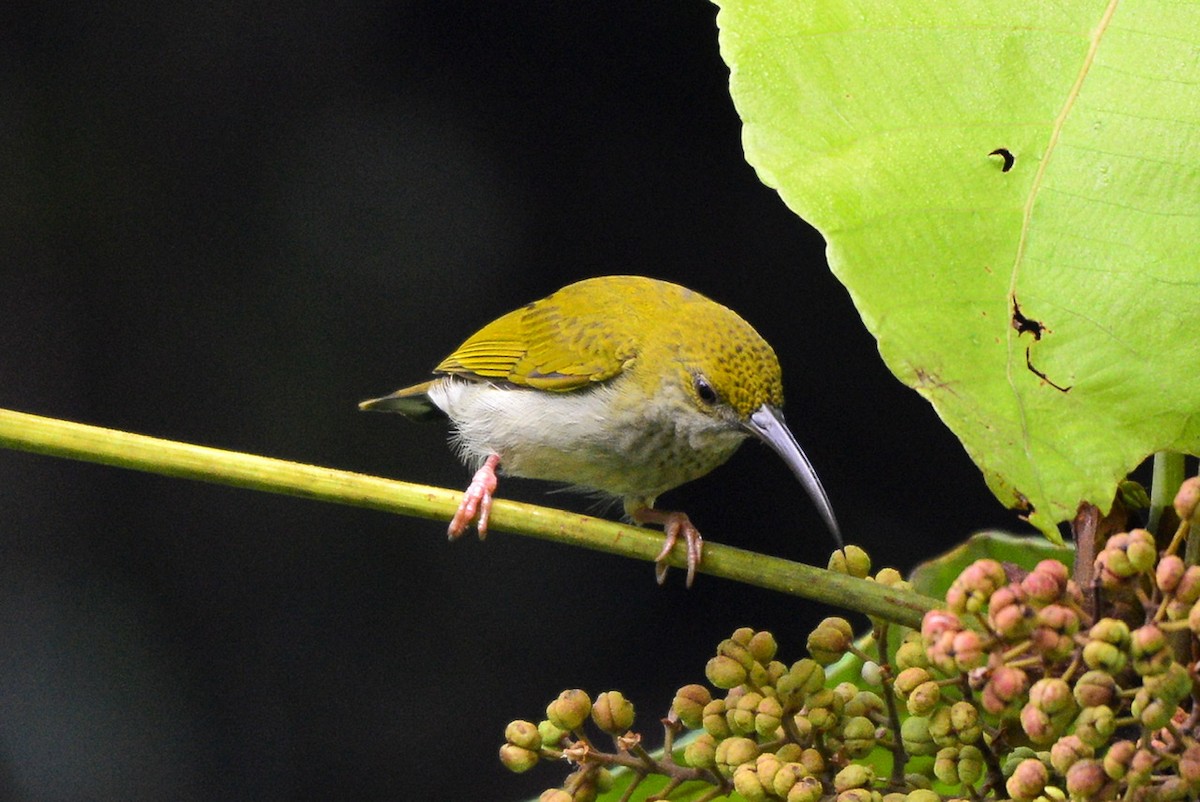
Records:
x=560, y=735
x=1014, y=689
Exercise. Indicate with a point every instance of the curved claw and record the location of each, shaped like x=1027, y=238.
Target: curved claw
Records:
x=477, y=501
x=675, y=525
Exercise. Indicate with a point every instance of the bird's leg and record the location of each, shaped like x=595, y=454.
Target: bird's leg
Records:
x=675, y=525
x=478, y=498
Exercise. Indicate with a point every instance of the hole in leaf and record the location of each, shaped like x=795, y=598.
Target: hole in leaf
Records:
x=1007, y=156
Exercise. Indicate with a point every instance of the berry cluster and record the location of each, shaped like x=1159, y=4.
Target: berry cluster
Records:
x=1023, y=686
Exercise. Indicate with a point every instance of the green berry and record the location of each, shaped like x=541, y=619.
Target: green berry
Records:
x=517, y=759
x=523, y=734
x=701, y=753
x=1027, y=781
x=924, y=698
x=914, y=732
x=552, y=735
x=830, y=640
x=713, y=719
x=725, y=672
x=733, y=752
x=569, y=710
x=762, y=647
x=747, y=783
x=689, y=704
x=613, y=713
x=854, y=775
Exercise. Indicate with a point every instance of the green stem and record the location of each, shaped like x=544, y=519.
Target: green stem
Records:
x=1165, y=479
x=79, y=441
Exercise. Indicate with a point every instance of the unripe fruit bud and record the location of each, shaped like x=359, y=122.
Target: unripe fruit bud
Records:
x=812, y=761
x=1189, y=766
x=1142, y=551
x=851, y=560
x=914, y=732
x=762, y=647
x=1188, y=590
x=733, y=752
x=555, y=795
x=747, y=783
x=968, y=650
x=855, y=775
x=858, y=737
x=924, y=698
x=1172, y=686
x=1011, y=621
x=830, y=640
x=768, y=715
x=1187, y=499
x=1037, y=725
x=724, y=672
x=713, y=719
x=923, y=795
x=970, y=592
x=1153, y=713
x=1151, y=654
x=740, y=714
x=742, y=635
x=1110, y=630
x=1051, y=695
x=613, y=713
x=517, y=759
x=964, y=718
x=937, y=622
x=523, y=734
x=1104, y=657
x=890, y=578
x=1067, y=751
x=767, y=766
x=1041, y=587
x=551, y=735
x=689, y=704
x=1117, y=759
x=701, y=753
x=1140, y=766
x=1085, y=779
x=804, y=678
x=909, y=679
x=806, y=789
x=911, y=655
x=569, y=710
x=1095, y=725
x=1169, y=573
x=945, y=765
x=855, y=795
x=1193, y=618
x=971, y=765
x=737, y=651
x=1095, y=688
x=1027, y=781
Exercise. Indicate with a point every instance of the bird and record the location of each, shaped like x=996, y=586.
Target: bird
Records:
x=623, y=386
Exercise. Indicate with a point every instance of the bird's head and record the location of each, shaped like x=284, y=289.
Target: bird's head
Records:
x=732, y=383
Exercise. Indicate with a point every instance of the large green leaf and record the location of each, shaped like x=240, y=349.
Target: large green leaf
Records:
x=1050, y=311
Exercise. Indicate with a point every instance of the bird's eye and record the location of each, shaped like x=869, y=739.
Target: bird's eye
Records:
x=705, y=390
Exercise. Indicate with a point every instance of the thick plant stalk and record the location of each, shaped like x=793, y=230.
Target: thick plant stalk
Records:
x=71, y=440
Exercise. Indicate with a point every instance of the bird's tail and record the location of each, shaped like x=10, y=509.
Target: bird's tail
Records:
x=411, y=402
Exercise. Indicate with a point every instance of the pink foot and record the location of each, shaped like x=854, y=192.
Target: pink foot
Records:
x=477, y=499
x=675, y=525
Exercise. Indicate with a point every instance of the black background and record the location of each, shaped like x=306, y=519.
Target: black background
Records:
x=227, y=223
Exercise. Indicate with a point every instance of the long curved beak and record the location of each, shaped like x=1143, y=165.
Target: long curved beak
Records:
x=766, y=423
